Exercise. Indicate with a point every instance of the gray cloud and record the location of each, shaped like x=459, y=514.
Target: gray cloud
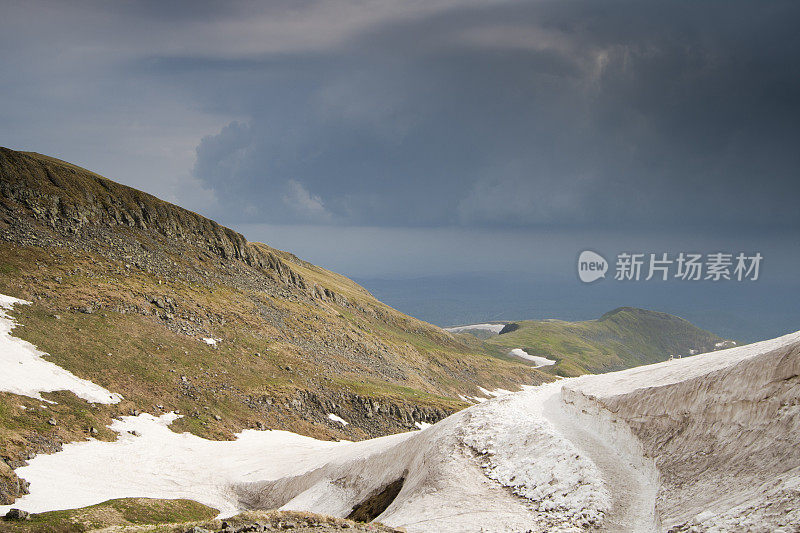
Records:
x=422, y=113
x=531, y=114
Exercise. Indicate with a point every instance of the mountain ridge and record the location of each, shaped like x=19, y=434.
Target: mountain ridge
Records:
x=175, y=312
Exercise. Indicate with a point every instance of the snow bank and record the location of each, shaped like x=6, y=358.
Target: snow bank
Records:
x=553, y=486
x=493, y=328
x=722, y=427
x=537, y=360
x=24, y=372
x=475, y=455
x=518, y=447
x=676, y=370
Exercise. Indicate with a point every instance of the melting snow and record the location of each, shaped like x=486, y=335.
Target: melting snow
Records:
x=150, y=460
x=519, y=448
x=27, y=374
x=676, y=370
x=537, y=360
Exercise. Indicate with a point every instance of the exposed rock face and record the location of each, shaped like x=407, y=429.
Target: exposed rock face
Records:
x=372, y=416
x=70, y=198
x=11, y=487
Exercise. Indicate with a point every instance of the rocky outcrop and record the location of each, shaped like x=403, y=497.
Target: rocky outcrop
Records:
x=372, y=415
x=81, y=208
x=71, y=198
x=508, y=328
x=11, y=486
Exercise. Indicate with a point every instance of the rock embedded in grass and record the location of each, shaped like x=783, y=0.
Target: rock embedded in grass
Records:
x=17, y=514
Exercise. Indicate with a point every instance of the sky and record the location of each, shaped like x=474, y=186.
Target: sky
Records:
x=405, y=139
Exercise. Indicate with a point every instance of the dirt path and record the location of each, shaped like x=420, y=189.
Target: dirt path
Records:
x=633, y=495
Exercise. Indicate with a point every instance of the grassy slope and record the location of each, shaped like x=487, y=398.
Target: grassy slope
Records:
x=145, y=515
x=297, y=341
x=622, y=338
x=147, y=361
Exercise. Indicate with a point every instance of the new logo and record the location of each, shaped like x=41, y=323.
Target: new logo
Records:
x=591, y=266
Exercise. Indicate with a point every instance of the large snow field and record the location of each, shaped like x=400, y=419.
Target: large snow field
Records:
x=559, y=457
x=24, y=372
x=513, y=445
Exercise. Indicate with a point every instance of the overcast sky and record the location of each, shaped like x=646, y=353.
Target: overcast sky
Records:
x=395, y=137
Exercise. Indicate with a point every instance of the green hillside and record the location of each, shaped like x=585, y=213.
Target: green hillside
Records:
x=622, y=338
x=124, y=287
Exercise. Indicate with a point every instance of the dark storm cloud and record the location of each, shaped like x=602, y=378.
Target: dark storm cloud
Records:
x=421, y=112
x=522, y=114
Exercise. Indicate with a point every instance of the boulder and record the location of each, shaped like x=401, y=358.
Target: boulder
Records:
x=18, y=514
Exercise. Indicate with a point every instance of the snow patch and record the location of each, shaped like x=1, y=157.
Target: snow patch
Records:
x=537, y=360
x=210, y=341
x=326, y=497
x=494, y=393
x=24, y=372
x=337, y=418
x=494, y=328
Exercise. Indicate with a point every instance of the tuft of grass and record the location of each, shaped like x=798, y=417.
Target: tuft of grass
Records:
x=8, y=268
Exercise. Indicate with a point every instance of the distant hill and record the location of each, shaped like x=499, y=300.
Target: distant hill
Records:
x=622, y=338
